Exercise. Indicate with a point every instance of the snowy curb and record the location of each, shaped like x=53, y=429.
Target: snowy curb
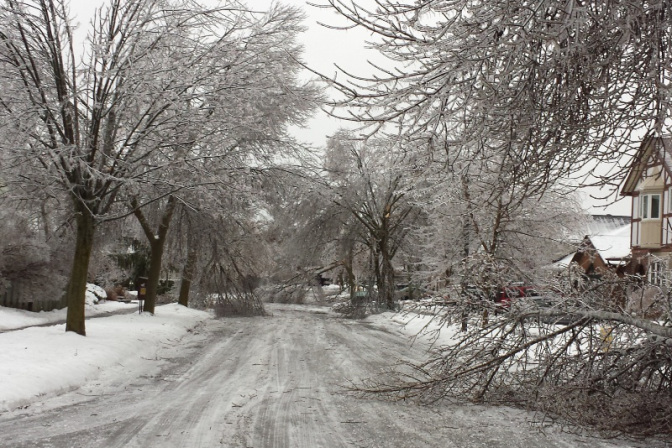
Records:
x=417, y=327
x=37, y=362
x=13, y=319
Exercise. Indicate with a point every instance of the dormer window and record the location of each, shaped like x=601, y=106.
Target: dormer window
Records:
x=651, y=206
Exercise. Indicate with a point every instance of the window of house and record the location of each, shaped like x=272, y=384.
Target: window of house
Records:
x=656, y=274
x=651, y=206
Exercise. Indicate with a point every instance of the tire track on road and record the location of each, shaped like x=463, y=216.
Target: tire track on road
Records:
x=271, y=382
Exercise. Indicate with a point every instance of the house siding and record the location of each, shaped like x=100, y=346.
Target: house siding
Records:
x=635, y=231
x=650, y=173
x=650, y=233
x=667, y=231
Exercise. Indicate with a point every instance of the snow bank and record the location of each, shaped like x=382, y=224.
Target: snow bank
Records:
x=426, y=328
x=47, y=360
x=94, y=294
x=11, y=319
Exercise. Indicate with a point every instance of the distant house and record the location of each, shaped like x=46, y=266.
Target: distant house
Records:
x=600, y=253
x=649, y=183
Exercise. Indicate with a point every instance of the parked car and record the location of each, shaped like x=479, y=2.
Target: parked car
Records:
x=543, y=300
x=510, y=293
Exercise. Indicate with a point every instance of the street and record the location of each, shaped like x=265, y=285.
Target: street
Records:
x=266, y=382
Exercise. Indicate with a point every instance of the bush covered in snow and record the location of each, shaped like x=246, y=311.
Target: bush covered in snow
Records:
x=94, y=294
x=28, y=262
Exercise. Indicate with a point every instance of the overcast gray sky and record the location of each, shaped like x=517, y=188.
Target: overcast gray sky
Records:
x=324, y=48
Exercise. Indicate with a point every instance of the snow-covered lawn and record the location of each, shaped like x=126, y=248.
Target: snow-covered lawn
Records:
x=40, y=361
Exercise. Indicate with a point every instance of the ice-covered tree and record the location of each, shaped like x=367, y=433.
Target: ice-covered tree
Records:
x=518, y=97
x=109, y=125
x=368, y=181
x=555, y=85
x=484, y=206
x=241, y=128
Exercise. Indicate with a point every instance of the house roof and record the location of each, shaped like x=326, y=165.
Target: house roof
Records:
x=659, y=147
x=564, y=261
x=604, y=224
x=613, y=247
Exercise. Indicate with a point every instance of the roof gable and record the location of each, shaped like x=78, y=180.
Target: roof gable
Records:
x=612, y=247
x=657, y=148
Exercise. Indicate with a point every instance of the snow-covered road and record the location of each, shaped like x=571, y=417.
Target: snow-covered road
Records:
x=268, y=382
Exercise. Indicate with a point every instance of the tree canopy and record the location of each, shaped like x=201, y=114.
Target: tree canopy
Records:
x=163, y=84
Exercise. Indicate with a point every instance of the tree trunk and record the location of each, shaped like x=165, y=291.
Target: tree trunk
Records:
x=386, y=287
x=153, y=275
x=377, y=276
x=188, y=273
x=156, y=245
x=389, y=287
x=347, y=265
x=76, y=290
x=466, y=238
x=45, y=220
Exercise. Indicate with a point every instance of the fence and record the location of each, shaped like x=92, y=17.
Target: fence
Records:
x=17, y=296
